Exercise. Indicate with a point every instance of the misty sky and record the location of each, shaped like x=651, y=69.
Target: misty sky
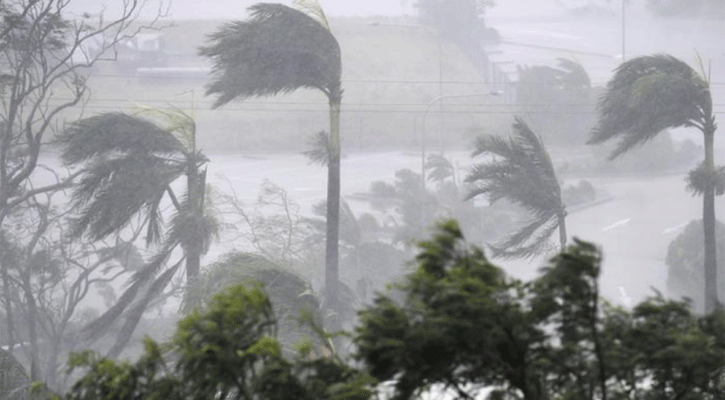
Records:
x=231, y=9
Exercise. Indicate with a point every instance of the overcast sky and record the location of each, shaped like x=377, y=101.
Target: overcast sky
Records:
x=234, y=9
x=231, y=9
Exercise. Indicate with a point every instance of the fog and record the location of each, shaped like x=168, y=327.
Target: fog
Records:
x=409, y=93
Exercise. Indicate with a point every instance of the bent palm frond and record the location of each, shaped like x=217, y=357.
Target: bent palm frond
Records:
x=174, y=121
x=114, y=132
x=112, y=191
x=318, y=151
x=314, y=9
x=519, y=170
x=647, y=95
x=278, y=50
x=572, y=74
x=526, y=242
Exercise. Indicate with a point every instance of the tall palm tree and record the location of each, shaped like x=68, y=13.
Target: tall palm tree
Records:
x=129, y=163
x=277, y=50
x=521, y=172
x=649, y=94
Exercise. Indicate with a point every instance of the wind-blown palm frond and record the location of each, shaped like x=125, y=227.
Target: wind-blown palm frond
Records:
x=140, y=282
x=192, y=229
x=572, y=74
x=313, y=9
x=350, y=232
x=290, y=294
x=174, y=121
x=129, y=165
x=526, y=242
x=440, y=168
x=112, y=191
x=522, y=172
x=114, y=132
x=647, y=95
x=278, y=50
x=319, y=148
x=136, y=311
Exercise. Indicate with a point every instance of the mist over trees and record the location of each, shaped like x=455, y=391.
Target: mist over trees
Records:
x=45, y=60
x=552, y=336
x=128, y=271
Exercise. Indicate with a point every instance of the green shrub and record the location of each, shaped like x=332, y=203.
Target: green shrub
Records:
x=685, y=260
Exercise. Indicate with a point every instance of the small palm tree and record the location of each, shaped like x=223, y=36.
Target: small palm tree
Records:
x=649, y=94
x=280, y=49
x=129, y=164
x=521, y=172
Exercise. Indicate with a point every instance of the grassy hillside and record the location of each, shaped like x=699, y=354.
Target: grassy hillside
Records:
x=390, y=75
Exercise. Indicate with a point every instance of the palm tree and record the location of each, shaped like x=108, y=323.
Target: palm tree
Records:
x=521, y=172
x=129, y=164
x=649, y=94
x=277, y=50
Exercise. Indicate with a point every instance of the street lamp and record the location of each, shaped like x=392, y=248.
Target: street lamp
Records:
x=439, y=100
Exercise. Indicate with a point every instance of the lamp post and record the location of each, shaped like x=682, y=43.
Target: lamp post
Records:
x=439, y=100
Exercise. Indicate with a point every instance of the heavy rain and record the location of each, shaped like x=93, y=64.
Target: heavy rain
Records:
x=196, y=198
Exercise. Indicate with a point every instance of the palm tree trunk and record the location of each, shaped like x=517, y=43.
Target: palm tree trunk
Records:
x=708, y=223
x=193, y=249
x=333, y=206
x=562, y=230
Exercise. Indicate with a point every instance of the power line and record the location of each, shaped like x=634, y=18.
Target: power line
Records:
x=174, y=101
x=163, y=77
x=522, y=111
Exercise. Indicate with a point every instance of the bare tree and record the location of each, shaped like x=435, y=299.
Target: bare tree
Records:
x=45, y=58
x=49, y=275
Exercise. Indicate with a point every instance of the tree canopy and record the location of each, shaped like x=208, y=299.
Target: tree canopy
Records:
x=465, y=326
x=227, y=350
x=461, y=325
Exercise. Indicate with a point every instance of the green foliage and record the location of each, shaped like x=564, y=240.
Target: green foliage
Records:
x=15, y=382
x=463, y=325
x=291, y=296
x=367, y=263
x=684, y=259
x=226, y=351
x=701, y=178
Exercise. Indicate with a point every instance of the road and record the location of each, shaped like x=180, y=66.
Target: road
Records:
x=633, y=229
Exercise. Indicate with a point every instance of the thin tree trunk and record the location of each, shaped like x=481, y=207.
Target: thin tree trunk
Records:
x=193, y=250
x=8, y=306
x=562, y=230
x=708, y=223
x=333, y=207
x=32, y=318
